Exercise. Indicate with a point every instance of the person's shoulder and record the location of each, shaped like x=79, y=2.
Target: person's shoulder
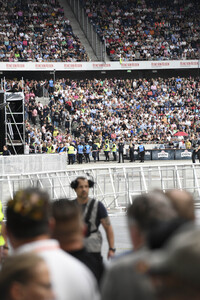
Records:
x=102, y=211
x=63, y=265
x=130, y=259
x=65, y=261
x=100, y=205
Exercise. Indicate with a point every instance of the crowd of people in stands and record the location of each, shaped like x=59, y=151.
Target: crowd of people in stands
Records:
x=148, y=110
x=132, y=30
x=143, y=110
x=146, y=29
x=39, y=32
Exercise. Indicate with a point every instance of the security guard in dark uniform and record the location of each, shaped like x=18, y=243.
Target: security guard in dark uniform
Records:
x=131, y=151
x=80, y=153
x=195, y=152
x=87, y=151
x=121, y=150
x=99, y=146
x=141, y=152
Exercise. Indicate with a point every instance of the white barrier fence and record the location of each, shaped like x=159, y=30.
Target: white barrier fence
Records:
x=114, y=186
x=19, y=164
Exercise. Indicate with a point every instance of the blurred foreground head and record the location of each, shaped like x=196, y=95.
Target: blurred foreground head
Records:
x=69, y=226
x=183, y=203
x=25, y=277
x=145, y=213
x=28, y=214
x=175, y=271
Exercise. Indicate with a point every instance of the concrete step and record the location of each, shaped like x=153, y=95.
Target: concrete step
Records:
x=77, y=30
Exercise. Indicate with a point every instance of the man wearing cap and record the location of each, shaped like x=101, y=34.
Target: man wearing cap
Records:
x=29, y=224
x=94, y=214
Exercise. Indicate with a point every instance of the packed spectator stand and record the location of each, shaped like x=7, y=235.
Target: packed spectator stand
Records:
x=35, y=31
x=149, y=111
x=146, y=29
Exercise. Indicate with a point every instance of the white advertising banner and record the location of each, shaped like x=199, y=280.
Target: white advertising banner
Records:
x=95, y=66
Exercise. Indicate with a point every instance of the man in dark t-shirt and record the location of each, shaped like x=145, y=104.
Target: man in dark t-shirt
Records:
x=94, y=151
x=121, y=150
x=94, y=214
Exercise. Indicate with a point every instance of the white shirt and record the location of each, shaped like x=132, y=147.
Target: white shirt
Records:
x=70, y=278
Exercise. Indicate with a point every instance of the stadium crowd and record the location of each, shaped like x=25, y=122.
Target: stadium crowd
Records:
x=150, y=111
x=35, y=31
x=146, y=29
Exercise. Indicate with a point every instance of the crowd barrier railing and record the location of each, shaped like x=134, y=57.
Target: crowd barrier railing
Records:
x=114, y=186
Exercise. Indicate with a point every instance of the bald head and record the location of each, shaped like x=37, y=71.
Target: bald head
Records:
x=148, y=209
x=183, y=203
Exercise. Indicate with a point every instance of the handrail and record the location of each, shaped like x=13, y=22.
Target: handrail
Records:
x=115, y=185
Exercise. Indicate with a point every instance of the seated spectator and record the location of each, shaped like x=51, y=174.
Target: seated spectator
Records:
x=147, y=29
x=41, y=33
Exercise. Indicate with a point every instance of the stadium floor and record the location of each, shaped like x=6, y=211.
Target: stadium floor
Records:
x=128, y=164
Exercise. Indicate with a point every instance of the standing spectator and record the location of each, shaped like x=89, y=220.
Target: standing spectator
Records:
x=146, y=213
x=69, y=231
x=121, y=150
x=94, y=214
x=34, y=115
x=51, y=86
x=6, y=152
